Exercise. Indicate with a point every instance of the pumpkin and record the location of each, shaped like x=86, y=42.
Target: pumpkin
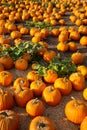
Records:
x=41, y=122
x=75, y=111
x=51, y=95
x=6, y=78
x=55, y=32
x=24, y=30
x=49, y=55
x=82, y=69
x=35, y=107
x=83, y=40
x=15, y=34
x=62, y=46
x=6, y=99
x=22, y=95
x=77, y=58
x=21, y=64
x=74, y=35
x=51, y=76
x=7, y=61
x=78, y=81
x=37, y=86
x=83, y=125
x=63, y=37
x=72, y=46
x=33, y=75
x=33, y=30
x=9, y=120
x=64, y=85
x=21, y=81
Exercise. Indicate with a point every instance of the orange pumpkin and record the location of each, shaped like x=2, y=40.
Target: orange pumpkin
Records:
x=49, y=55
x=35, y=107
x=21, y=64
x=82, y=69
x=21, y=81
x=22, y=95
x=72, y=46
x=15, y=34
x=50, y=76
x=75, y=111
x=9, y=120
x=7, y=101
x=62, y=46
x=37, y=86
x=41, y=122
x=78, y=81
x=33, y=75
x=77, y=58
x=51, y=95
x=7, y=61
x=64, y=85
x=83, y=40
x=6, y=78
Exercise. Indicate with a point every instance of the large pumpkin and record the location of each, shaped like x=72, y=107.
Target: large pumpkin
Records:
x=9, y=120
x=41, y=123
x=6, y=99
x=75, y=111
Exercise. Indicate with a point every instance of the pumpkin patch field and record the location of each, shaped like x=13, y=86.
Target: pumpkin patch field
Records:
x=43, y=65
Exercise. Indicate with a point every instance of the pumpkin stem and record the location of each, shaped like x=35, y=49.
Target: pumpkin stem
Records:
x=41, y=125
x=51, y=88
x=21, y=81
x=4, y=113
x=35, y=101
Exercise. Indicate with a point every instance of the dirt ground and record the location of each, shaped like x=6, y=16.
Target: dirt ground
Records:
x=55, y=113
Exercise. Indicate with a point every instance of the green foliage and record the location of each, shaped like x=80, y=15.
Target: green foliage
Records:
x=17, y=51
x=39, y=25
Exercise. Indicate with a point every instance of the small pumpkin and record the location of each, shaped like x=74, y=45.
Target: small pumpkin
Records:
x=82, y=69
x=22, y=95
x=62, y=46
x=41, y=122
x=83, y=40
x=15, y=34
x=64, y=85
x=51, y=95
x=75, y=111
x=50, y=76
x=21, y=81
x=72, y=46
x=6, y=99
x=49, y=55
x=77, y=58
x=37, y=86
x=33, y=75
x=7, y=61
x=6, y=78
x=21, y=64
x=74, y=35
x=35, y=107
x=78, y=81
x=9, y=120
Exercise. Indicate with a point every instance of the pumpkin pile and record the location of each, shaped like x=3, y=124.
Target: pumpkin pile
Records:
x=36, y=73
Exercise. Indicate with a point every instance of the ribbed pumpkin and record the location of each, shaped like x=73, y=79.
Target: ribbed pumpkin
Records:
x=9, y=120
x=75, y=111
